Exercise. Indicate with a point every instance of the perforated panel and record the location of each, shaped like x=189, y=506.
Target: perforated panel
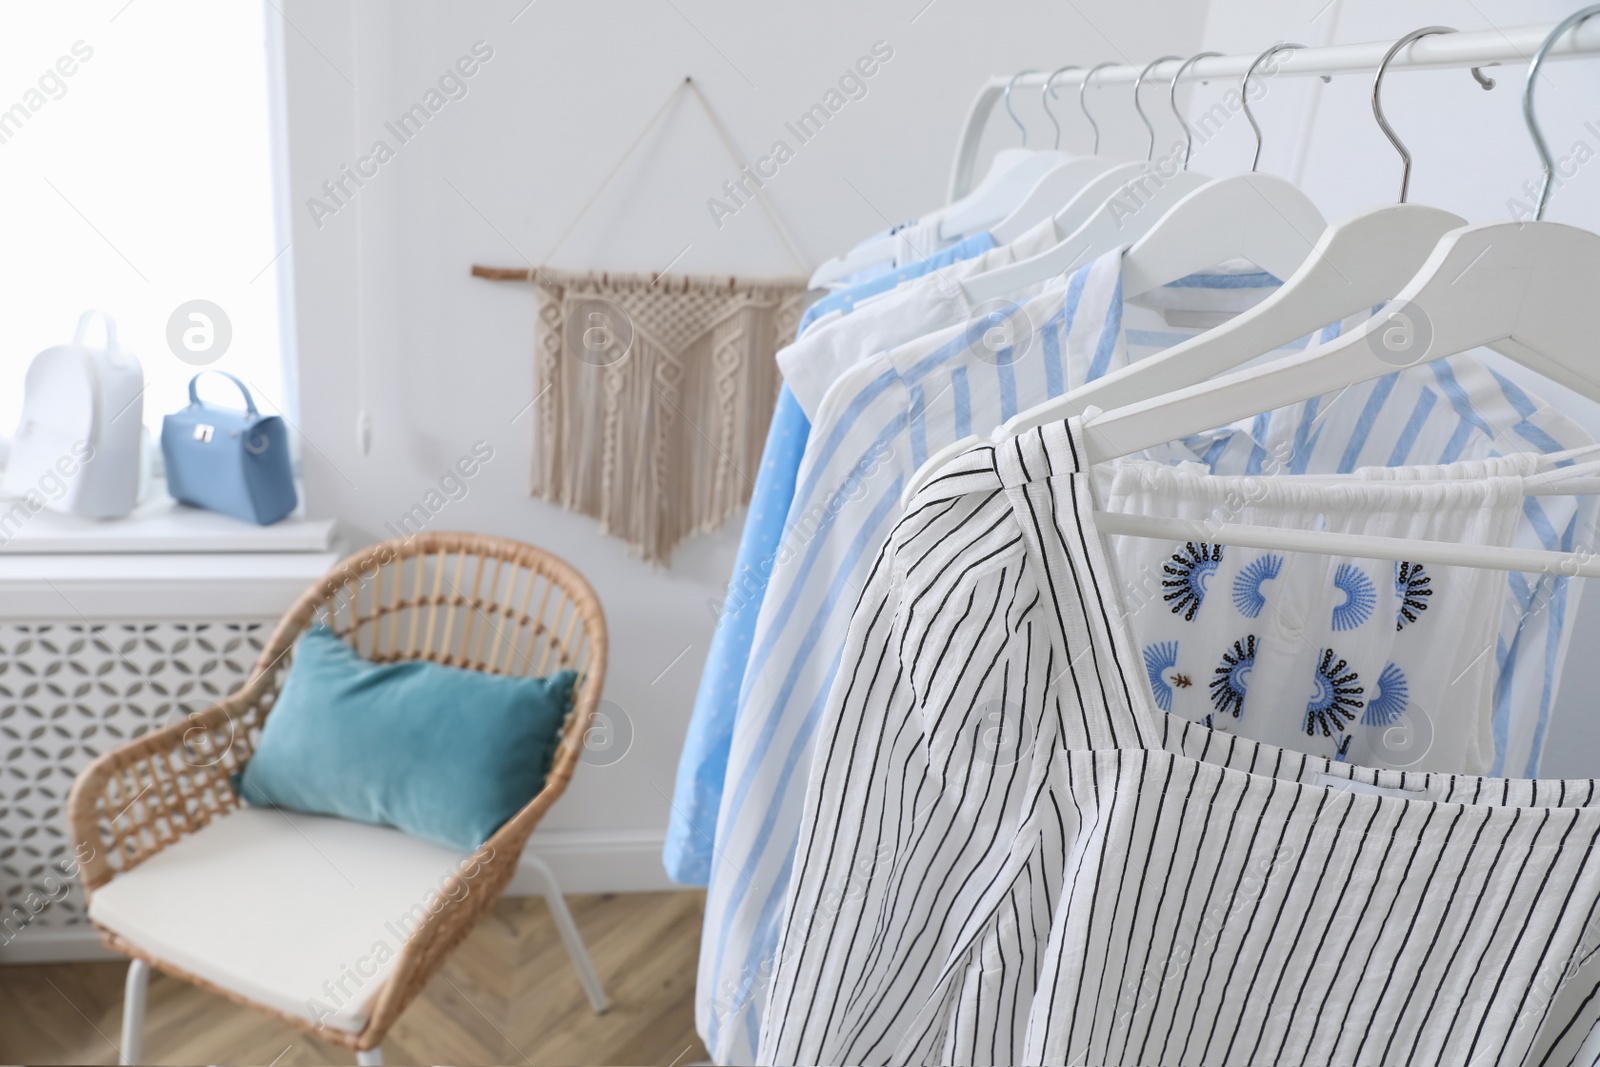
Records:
x=70, y=691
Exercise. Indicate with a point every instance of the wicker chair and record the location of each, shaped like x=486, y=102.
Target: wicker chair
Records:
x=462, y=600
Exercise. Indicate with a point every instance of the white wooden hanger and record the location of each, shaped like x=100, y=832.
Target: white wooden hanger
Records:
x=1575, y=480
x=1357, y=546
x=1341, y=277
x=1358, y=263
x=1258, y=217
x=1225, y=220
x=877, y=250
x=1550, y=461
x=882, y=249
x=985, y=206
x=1096, y=192
x=1277, y=220
x=1520, y=288
x=1064, y=181
x=992, y=202
x=1011, y=174
x=1215, y=223
x=1060, y=186
x=1137, y=198
x=1565, y=481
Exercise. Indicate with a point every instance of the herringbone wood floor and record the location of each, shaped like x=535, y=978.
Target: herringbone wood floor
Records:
x=506, y=996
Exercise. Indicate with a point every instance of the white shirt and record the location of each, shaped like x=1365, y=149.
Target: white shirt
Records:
x=1437, y=413
x=1391, y=663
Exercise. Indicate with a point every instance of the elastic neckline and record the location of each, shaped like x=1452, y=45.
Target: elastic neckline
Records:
x=1145, y=718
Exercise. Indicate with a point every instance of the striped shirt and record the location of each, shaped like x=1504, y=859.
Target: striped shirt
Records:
x=874, y=428
x=1010, y=855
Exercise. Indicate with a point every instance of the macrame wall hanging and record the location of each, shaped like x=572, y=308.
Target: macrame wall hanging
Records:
x=653, y=392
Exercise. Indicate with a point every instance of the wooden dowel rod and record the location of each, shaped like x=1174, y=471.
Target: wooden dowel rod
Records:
x=501, y=274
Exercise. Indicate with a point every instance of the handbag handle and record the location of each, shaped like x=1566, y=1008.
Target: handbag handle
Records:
x=249, y=401
x=83, y=328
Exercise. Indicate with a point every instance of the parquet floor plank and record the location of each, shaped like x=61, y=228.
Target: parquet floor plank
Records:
x=507, y=995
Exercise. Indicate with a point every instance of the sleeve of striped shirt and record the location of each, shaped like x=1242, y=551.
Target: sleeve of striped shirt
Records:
x=916, y=789
x=922, y=888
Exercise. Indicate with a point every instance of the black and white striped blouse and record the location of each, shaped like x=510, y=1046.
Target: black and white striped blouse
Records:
x=1010, y=856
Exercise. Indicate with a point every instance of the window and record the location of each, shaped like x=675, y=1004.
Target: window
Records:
x=137, y=171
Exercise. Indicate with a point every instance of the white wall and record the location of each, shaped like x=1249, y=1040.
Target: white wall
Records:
x=390, y=323
x=1470, y=147
x=1471, y=155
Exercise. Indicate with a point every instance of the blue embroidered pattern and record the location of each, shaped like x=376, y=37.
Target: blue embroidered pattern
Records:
x=1232, y=678
x=1247, y=595
x=1333, y=699
x=1360, y=597
x=1158, y=659
x=1411, y=584
x=1188, y=575
x=1390, y=700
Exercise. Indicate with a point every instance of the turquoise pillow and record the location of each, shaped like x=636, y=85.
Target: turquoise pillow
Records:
x=442, y=753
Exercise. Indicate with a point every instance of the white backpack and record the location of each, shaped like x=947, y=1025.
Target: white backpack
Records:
x=79, y=443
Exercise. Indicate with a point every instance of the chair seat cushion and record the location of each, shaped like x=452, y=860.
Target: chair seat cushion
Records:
x=443, y=753
x=303, y=914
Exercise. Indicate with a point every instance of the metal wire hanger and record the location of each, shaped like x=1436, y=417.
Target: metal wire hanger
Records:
x=1150, y=153
x=1377, y=98
x=1009, y=86
x=1172, y=98
x=1083, y=103
x=1048, y=92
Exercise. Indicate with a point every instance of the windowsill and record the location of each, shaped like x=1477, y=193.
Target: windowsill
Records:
x=162, y=561
x=162, y=525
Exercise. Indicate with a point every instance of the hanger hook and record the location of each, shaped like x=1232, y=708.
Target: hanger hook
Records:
x=1009, y=85
x=1377, y=99
x=1568, y=23
x=1172, y=98
x=1244, y=95
x=1138, y=81
x=1049, y=91
x=1083, y=87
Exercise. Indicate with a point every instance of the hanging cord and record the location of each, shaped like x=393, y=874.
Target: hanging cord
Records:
x=612, y=173
x=727, y=142
x=759, y=197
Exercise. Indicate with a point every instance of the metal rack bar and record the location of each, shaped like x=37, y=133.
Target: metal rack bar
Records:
x=1479, y=48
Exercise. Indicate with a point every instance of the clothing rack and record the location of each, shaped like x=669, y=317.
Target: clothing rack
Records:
x=1480, y=48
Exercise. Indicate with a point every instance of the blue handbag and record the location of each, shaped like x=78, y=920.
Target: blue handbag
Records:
x=222, y=459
